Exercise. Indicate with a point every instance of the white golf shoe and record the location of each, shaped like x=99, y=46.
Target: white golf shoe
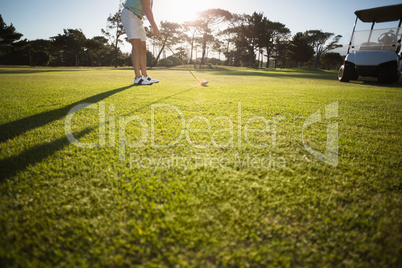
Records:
x=142, y=80
x=151, y=79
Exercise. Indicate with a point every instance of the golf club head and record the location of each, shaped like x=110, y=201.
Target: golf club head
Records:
x=204, y=83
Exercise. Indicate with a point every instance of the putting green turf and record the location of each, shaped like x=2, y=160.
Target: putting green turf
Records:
x=175, y=174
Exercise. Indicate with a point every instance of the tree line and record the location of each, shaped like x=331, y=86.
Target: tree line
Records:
x=217, y=37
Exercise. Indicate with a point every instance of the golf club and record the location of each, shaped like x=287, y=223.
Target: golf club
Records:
x=203, y=83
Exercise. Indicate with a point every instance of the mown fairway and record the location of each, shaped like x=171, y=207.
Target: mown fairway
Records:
x=180, y=175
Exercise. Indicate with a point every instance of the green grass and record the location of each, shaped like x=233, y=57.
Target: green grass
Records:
x=211, y=199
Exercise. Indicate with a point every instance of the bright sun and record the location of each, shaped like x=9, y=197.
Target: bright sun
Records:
x=179, y=10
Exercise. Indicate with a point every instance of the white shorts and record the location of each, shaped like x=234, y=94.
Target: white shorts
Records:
x=133, y=25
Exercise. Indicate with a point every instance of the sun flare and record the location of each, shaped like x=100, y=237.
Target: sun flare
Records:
x=179, y=10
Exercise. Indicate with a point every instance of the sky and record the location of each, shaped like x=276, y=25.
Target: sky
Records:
x=42, y=19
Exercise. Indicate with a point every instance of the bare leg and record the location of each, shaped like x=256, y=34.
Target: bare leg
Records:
x=144, y=58
x=136, y=55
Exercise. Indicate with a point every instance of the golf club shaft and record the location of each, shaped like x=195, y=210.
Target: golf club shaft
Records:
x=180, y=60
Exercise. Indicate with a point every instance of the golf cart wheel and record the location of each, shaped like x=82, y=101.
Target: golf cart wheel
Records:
x=388, y=74
x=345, y=73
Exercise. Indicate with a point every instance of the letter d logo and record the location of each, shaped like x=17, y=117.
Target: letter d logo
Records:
x=331, y=151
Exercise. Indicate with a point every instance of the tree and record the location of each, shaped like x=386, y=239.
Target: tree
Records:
x=218, y=47
x=191, y=28
x=114, y=31
x=319, y=40
x=332, y=60
x=279, y=52
x=70, y=46
x=150, y=58
x=232, y=35
x=170, y=35
x=274, y=34
x=181, y=54
x=40, y=52
x=300, y=49
x=96, y=47
x=244, y=51
x=8, y=45
x=207, y=24
x=8, y=34
x=253, y=31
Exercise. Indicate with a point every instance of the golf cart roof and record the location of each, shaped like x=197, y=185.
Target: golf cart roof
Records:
x=380, y=14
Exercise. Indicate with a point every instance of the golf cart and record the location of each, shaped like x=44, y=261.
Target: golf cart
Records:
x=375, y=52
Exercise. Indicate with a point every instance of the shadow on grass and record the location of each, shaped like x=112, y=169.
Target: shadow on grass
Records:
x=19, y=127
x=279, y=73
x=29, y=70
x=374, y=82
x=301, y=73
x=163, y=99
x=10, y=166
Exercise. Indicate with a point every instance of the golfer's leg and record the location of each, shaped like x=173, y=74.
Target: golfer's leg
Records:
x=144, y=58
x=136, y=55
